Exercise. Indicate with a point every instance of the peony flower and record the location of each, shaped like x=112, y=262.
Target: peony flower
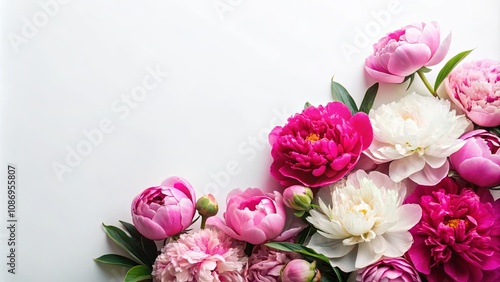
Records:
x=205, y=256
x=299, y=270
x=163, y=211
x=252, y=216
x=361, y=219
x=406, y=50
x=265, y=264
x=475, y=88
x=319, y=146
x=387, y=269
x=416, y=134
x=458, y=237
x=478, y=161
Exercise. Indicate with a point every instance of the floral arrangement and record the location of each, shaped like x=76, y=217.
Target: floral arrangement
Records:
x=401, y=192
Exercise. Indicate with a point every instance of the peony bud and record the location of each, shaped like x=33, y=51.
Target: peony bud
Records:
x=298, y=198
x=299, y=270
x=207, y=205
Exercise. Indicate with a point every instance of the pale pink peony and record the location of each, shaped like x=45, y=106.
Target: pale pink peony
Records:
x=319, y=146
x=475, y=88
x=299, y=270
x=205, y=256
x=163, y=211
x=387, y=269
x=252, y=216
x=406, y=50
x=478, y=161
x=458, y=237
x=265, y=264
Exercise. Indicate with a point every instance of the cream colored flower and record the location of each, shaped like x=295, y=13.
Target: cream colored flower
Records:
x=416, y=134
x=361, y=219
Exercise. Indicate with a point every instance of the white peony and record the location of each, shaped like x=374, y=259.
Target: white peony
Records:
x=361, y=219
x=416, y=134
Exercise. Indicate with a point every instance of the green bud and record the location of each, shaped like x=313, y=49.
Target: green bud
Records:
x=207, y=206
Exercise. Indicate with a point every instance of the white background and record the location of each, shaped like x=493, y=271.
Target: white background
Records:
x=235, y=69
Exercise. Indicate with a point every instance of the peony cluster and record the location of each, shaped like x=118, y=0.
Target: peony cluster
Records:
x=418, y=207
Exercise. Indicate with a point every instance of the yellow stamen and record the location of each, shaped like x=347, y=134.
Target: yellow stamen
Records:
x=454, y=222
x=312, y=137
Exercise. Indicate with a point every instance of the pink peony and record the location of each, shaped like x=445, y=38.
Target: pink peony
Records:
x=252, y=216
x=478, y=161
x=406, y=50
x=163, y=211
x=265, y=264
x=458, y=237
x=319, y=146
x=387, y=269
x=475, y=88
x=205, y=256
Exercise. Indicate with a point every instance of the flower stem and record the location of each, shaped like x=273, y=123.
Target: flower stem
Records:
x=203, y=221
x=426, y=82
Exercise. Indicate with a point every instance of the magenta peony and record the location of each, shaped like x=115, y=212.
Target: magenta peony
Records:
x=478, y=161
x=319, y=146
x=387, y=269
x=163, y=211
x=458, y=237
x=265, y=264
x=207, y=255
x=475, y=88
x=406, y=50
x=252, y=216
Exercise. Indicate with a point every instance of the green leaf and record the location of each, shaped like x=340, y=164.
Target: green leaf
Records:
x=138, y=273
x=449, y=66
x=339, y=93
x=308, y=252
x=127, y=243
x=148, y=245
x=307, y=105
x=304, y=234
x=370, y=95
x=425, y=69
x=116, y=260
x=411, y=77
x=292, y=247
x=494, y=130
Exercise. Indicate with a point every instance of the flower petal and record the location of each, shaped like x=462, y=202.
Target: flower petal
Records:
x=430, y=176
x=408, y=216
x=408, y=58
x=402, y=168
x=397, y=243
